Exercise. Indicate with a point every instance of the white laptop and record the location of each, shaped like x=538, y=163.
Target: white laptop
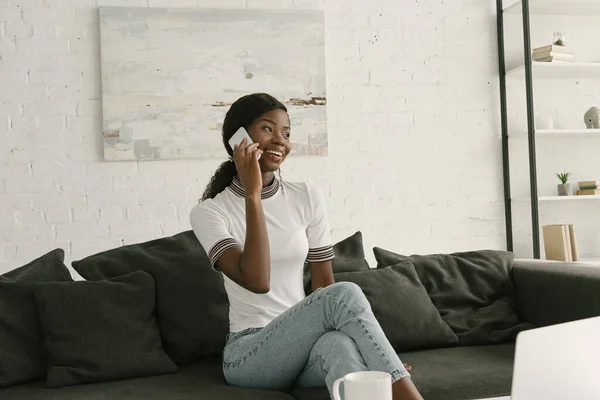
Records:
x=558, y=362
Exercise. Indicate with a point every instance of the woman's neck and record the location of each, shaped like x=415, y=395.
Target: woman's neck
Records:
x=267, y=178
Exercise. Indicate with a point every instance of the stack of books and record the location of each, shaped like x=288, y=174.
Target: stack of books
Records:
x=560, y=243
x=552, y=53
x=589, y=188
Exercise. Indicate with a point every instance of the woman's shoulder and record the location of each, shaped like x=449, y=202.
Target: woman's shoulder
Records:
x=305, y=190
x=207, y=207
x=299, y=187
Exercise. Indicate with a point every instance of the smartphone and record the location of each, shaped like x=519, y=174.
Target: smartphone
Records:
x=238, y=136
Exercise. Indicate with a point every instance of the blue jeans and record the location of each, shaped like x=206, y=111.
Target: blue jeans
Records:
x=327, y=335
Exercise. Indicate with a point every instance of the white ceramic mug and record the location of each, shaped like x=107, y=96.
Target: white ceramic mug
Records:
x=365, y=385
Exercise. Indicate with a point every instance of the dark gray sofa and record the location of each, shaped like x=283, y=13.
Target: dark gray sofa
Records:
x=547, y=293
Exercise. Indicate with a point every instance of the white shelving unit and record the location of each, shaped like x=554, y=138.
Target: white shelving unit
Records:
x=589, y=260
x=547, y=199
x=561, y=133
x=555, y=7
x=586, y=9
x=558, y=70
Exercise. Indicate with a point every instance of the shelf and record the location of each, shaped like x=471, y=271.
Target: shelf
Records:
x=555, y=7
x=547, y=199
x=566, y=69
x=589, y=260
x=561, y=133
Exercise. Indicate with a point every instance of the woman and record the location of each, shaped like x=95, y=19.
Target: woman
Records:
x=259, y=231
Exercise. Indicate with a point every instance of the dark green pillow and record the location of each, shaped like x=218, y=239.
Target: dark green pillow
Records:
x=22, y=355
x=349, y=257
x=99, y=331
x=192, y=308
x=472, y=290
x=402, y=306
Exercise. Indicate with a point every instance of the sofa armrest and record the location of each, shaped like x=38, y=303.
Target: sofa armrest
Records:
x=552, y=292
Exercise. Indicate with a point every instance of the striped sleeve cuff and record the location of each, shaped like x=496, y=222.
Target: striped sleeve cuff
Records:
x=220, y=248
x=320, y=254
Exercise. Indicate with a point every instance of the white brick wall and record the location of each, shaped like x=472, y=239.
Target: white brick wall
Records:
x=414, y=151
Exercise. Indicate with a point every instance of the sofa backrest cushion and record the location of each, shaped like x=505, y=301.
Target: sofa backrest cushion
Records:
x=402, y=307
x=101, y=330
x=191, y=303
x=22, y=354
x=192, y=308
x=472, y=290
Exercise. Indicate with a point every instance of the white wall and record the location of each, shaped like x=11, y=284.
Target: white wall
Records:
x=415, y=160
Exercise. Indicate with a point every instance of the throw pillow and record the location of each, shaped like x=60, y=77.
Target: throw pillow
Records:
x=22, y=354
x=349, y=257
x=402, y=306
x=192, y=308
x=98, y=331
x=472, y=290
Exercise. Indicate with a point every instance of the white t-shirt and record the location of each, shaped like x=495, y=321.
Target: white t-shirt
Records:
x=298, y=231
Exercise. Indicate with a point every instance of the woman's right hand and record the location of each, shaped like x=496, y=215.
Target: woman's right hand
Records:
x=248, y=168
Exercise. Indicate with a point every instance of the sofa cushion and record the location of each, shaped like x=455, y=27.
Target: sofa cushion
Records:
x=472, y=290
x=349, y=257
x=98, y=331
x=469, y=372
x=192, y=308
x=402, y=306
x=201, y=380
x=22, y=355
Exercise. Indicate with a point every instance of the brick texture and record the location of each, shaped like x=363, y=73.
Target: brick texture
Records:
x=414, y=149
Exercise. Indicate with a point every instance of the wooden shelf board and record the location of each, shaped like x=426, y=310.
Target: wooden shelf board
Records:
x=561, y=133
x=558, y=198
x=555, y=7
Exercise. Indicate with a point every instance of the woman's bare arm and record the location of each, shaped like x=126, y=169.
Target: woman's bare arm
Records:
x=250, y=268
x=321, y=275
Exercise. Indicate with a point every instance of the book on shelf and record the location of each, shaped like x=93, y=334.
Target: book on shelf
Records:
x=573, y=240
x=560, y=242
x=590, y=192
x=550, y=58
x=552, y=48
x=558, y=56
x=552, y=53
x=587, y=184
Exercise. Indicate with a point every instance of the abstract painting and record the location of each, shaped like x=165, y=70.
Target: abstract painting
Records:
x=170, y=75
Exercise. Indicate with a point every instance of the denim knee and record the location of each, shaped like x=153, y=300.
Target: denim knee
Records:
x=348, y=292
x=335, y=342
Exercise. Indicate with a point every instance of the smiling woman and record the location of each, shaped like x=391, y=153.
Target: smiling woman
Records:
x=259, y=231
x=263, y=117
x=271, y=133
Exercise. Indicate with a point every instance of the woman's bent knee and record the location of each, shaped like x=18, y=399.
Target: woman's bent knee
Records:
x=348, y=295
x=334, y=341
x=343, y=289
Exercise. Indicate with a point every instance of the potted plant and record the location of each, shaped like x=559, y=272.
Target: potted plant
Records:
x=565, y=188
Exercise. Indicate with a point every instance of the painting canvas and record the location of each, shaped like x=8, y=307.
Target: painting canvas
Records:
x=170, y=75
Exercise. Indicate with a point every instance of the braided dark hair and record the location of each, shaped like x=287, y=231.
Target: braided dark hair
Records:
x=242, y=113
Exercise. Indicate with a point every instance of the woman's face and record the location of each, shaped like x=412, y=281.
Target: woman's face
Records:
x=272, y=133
